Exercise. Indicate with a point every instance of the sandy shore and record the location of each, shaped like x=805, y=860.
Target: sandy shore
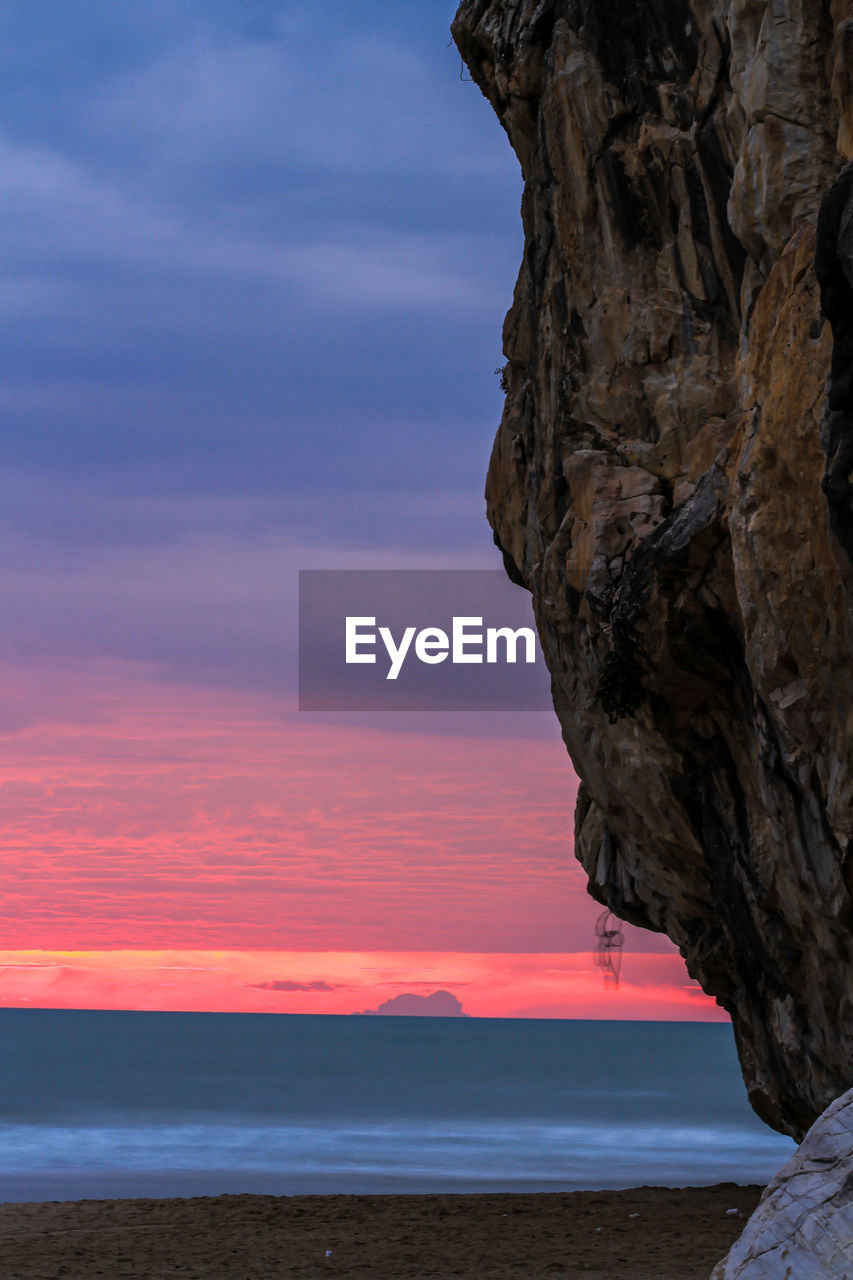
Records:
x=645, y=1234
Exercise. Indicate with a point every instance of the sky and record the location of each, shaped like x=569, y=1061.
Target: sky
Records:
x=254, y=261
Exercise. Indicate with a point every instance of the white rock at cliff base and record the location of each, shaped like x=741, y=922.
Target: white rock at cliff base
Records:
x=803, y=1227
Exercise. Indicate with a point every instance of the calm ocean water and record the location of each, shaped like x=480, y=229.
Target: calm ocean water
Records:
x=117, y=1104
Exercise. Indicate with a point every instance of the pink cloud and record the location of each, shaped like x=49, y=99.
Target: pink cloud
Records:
x=176, y=817
x=160, y=841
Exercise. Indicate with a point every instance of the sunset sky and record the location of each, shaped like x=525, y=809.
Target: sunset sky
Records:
x=255, y=260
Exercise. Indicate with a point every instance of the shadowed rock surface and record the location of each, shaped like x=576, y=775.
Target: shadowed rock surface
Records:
x=671, y=480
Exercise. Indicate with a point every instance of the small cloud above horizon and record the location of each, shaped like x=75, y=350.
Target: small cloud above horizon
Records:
x=440, y=1004
x=285, y=984
x=426, y=982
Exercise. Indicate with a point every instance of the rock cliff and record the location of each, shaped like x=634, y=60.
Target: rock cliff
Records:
x=671, y=480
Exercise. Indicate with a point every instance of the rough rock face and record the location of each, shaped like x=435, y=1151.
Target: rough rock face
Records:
x=803, y=1227
x=672, y=480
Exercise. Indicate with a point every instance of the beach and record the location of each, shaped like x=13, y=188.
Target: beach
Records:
x=642, y=1234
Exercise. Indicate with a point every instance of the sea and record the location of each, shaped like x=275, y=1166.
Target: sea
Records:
x=112, y=1104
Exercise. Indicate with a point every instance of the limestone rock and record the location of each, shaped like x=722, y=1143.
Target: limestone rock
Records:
x=672, y=480
x=803, y=1227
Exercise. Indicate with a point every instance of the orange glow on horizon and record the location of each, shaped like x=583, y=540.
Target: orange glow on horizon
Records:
x=486, y=984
